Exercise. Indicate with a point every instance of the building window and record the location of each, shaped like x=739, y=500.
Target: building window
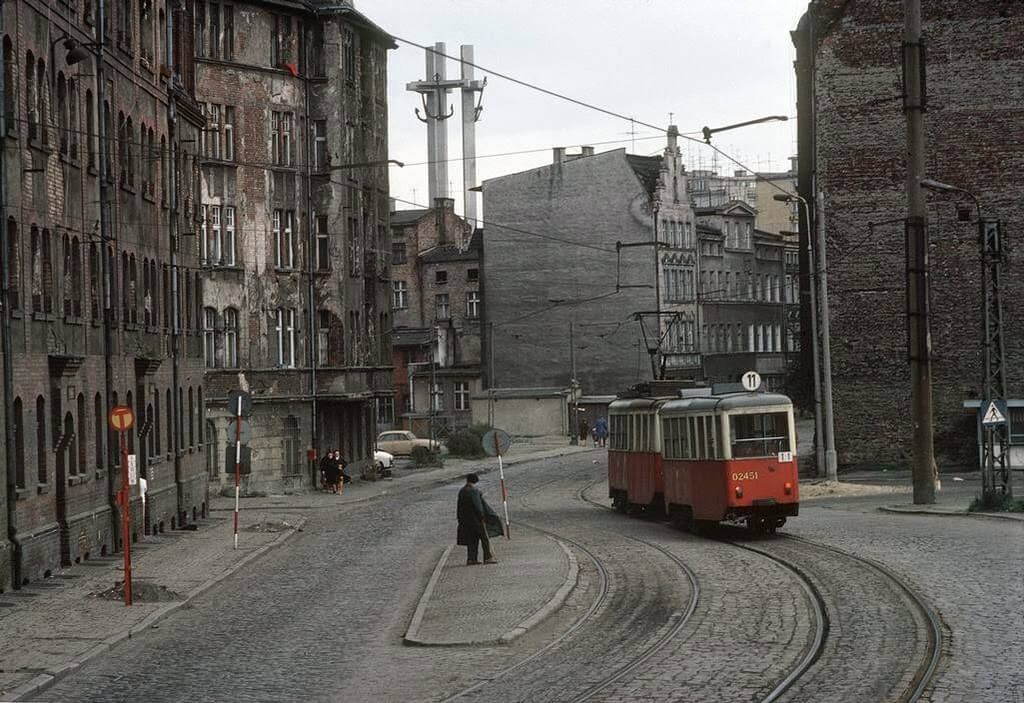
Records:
x=323, y=337
x=42, y=470
x=14, y=264
x=290, y=447
x=473, y=304
x=218, y=242
x=323, y=242
x=349, y=55
x=228, y=134
x=320, y=159
x=441, y=277
x=472, y=274
x=281, y=42
x=209, y=338
x=19, y=444
x=397, y=253
x=462, y=395
x=284, y=239
x=99, y=421
x=231, y=338
x=281, y=138
x=10, y=96
x=211, y=448
x=400, y=295
x=286, y=337
x=385, y=411
x=441, y=308
x=438, y=397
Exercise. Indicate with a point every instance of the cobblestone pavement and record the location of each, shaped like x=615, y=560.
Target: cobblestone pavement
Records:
x=323, y=618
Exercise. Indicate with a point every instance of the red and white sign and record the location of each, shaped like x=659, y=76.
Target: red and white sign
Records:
x=121, y=418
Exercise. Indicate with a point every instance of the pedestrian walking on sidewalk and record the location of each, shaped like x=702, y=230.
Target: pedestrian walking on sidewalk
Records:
x=584, y=430
x=324, y=464
x=331, y=472
x=476, y=522
x=600, y=431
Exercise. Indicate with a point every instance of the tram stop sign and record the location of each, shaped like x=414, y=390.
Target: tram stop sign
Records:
x=121, y=418
x=496, y=442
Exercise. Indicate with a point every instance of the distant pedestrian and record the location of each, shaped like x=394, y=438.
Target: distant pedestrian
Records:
x=584, y=430
x=328, y=457
x=600, y=431
x=338, y=457
x=332, y=472
x=475, y=518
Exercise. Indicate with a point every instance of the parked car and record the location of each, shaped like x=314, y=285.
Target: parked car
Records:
x=382, y=459
x=401, y=442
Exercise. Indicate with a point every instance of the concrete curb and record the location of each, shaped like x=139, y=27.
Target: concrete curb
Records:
x=949, y=513
x=44, y=681
x=412, y=634
x=412, y=637
x=552, y=605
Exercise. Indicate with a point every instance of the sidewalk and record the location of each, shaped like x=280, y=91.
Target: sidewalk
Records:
x=494, y=603
x=51, y=627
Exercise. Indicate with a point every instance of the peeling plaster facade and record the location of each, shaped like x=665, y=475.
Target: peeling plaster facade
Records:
x=294, y=242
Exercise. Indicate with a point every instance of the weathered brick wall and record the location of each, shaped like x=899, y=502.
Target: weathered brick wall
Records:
x=593, y=201
x=974, y=127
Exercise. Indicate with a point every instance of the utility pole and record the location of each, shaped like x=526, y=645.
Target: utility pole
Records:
x=490, y=374
x=573, y=436
x=831, y=471
x=919, y=342
x=433, y=380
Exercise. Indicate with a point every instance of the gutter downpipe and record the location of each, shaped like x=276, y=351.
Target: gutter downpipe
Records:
x=11, y=494
x=310, y=253
x=171, y=179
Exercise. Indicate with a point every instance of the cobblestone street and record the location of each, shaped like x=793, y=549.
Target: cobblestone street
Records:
x=655, y=614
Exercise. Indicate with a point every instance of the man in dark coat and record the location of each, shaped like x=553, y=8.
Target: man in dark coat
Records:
x=472, y=512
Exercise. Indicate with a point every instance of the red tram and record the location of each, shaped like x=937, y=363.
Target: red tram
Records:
x=708, y=458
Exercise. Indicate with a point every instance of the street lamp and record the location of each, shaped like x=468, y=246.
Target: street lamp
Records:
x=823, y=420
x=708, y=131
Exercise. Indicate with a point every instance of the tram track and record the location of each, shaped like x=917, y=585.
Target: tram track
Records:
x=594, y=610
x=928, y=664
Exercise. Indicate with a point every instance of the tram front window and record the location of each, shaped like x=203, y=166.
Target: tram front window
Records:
x=764, y=434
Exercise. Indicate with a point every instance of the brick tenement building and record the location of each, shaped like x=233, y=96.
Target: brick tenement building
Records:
x=438, y=305
x=852, y=149
x=294, y=239
x=101, y=290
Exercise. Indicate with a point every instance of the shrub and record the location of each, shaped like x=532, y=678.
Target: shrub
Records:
x=421, y=456
x=996, y=504
x=465, y=442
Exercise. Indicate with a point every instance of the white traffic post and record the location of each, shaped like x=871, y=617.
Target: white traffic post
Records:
x=504, y=493
x=238, y=462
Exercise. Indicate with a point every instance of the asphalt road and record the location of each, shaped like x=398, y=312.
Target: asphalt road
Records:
x=322, y=618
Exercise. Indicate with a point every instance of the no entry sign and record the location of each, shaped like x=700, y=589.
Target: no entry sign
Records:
x=121, y=418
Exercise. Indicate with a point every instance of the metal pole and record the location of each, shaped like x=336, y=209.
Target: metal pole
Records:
x=831, y=471
x=573, y=434
x=238, y=461
x=490, y=375
x=126, y=520
x=433, y=382
x=504, y=493
x=819, y=440
x=919, y=343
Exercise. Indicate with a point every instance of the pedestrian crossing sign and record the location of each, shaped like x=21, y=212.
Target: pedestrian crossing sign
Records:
x=993, y=414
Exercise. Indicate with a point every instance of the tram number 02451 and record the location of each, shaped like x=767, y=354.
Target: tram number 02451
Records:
x=744, y=475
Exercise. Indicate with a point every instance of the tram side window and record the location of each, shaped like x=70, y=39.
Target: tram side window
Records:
x=763, y=434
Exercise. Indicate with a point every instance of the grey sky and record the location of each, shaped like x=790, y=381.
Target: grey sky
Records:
x=710, y=62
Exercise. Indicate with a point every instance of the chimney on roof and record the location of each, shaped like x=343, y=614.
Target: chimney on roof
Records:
x=558, y=155
x=587, y=151
x=673, y=136
x=392, y=205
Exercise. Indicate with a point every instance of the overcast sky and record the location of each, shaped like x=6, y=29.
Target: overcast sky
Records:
x=709, y=62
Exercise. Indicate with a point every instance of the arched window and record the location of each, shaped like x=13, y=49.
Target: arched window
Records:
x=167, y=295
x=138, y=425
x=90, y=130
x=133, y=288
x=31, y=97
x=66, y=287
x=62, y=114
x=72, y=120
x=94, y=282
x=163, y=171
x=169, y=414
x=191, y=418
x=107, y=145
x=69, y=453
x=10, y=93
x=157, y=445
x=76, y=277
x=150, y=156
x=150, y=436
x=209, y=332
x=44, y=101
x=41, y=449
x=80, y=442
x=231, y=338
x=14, y=265
x=122, y=149
x=129, y=159
x=19, y=444
x=47, y=272
x=113, y=440
x=211, y=448
x=99, y=421
x=125, y=306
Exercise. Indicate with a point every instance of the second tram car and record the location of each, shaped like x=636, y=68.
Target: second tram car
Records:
x=635, y=479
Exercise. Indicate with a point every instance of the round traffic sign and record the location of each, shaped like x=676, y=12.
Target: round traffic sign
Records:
x=121, y=418
x=751, y=380
x=496, y=442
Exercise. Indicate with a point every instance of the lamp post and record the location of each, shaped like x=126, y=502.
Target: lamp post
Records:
x=824, y=445
x=708, y=131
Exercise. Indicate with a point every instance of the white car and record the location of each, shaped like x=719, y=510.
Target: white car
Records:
x=383, y=460
x=402, y=442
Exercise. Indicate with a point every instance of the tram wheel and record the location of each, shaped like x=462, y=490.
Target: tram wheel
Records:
x=619, y=504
